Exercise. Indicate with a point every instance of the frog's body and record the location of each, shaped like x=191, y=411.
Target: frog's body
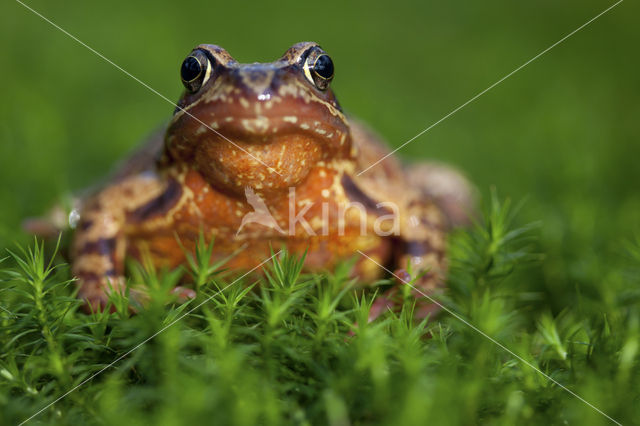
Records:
x=270, y=137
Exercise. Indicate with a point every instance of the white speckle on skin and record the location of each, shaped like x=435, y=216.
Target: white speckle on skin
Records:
x=290, y=119
x=325, y=193
x=304, y=126
x=245, y=103
x=253, y=125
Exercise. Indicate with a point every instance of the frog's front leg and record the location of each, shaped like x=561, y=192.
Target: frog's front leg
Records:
x=416, y=229
x=100, y=241
x=420, y=258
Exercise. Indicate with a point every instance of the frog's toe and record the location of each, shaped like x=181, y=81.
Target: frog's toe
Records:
x=184, y=294
x=391, y=301
x=40, y=227
x=380, y=305
x=425, y=308
x=94, y=302
x=97, y=292
x=424, y=289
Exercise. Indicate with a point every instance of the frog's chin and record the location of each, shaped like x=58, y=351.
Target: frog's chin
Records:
x=274, y=165
x=258, y=134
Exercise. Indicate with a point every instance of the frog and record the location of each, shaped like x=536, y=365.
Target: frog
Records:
x=258, y=158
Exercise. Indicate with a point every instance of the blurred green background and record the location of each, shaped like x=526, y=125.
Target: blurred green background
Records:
x=562, y=132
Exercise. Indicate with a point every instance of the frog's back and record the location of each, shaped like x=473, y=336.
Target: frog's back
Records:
x=144, y=158
x=446, y=186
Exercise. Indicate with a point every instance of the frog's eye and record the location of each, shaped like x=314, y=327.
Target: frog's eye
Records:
x=318, y=68
x=195, y=71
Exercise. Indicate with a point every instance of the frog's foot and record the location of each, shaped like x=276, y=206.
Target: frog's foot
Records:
x=423, y=291
x=94, y=291
x=100, y=293
x=184, y=294
x=382, y=304
x=96, y=294
x=449, y=189
x=50, y=225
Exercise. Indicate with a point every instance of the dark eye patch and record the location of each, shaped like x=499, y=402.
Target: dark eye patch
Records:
x=323, y=67
x=318, y=67
x=191, y=69
x=195, y=70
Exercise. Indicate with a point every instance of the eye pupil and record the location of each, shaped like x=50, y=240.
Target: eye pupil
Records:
x=323, y=67
x=196, y=70
x=191, y=69
x=318, y=68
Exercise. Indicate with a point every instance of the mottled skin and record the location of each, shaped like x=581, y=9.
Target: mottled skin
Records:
x=266, y=127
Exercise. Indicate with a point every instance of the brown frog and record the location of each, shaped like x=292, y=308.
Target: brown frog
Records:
x=259, y=157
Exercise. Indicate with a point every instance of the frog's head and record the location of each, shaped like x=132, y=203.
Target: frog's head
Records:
x=258, y=125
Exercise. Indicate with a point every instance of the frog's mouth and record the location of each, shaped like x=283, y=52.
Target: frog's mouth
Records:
x=261, y=128
x=267, y=153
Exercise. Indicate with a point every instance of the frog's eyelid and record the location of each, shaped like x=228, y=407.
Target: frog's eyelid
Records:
x=205, y=59
x=305, y=55
x=207, y=73
x=307, y=68
x=210, y=56
x=307, y=71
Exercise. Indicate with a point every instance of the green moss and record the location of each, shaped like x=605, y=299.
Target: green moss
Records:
x=288, y=350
